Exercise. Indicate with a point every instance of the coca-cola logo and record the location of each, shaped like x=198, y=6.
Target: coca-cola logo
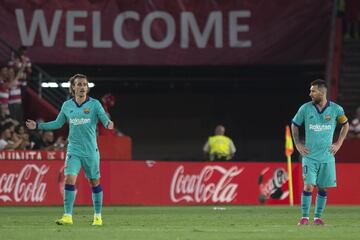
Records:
x=213, y=183
x=24, y=186
x=272, y=188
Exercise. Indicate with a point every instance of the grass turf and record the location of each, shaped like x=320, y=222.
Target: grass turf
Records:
x=200, y=223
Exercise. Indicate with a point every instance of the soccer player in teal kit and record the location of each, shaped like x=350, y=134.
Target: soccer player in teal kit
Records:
x=81, y=113
x=320, y=118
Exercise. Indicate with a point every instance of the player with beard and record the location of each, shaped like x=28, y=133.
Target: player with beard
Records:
x=82, y=114
x=320, y=118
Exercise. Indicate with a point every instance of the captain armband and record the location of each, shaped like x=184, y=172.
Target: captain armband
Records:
x=342, y=119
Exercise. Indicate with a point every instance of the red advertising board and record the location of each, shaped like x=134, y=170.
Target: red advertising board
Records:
x=29, y=183
x=347, y=179
x=168, y=183
x=149, y=183
x=161, y=32
x=349, y=151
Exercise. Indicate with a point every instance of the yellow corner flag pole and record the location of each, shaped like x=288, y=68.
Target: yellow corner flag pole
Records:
x=289, y=149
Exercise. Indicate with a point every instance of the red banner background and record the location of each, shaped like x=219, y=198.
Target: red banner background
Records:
x=166, y=183
x=163, y=32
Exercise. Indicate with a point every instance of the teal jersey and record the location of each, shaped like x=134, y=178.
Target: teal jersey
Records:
x=319, y=128
x=82, y=120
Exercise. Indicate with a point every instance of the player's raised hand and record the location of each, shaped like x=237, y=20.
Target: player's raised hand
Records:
x=302, y=149
x=31, y=124
x=111, y=125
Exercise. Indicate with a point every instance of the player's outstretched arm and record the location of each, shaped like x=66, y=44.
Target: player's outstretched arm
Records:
x=56, y=124
x=30, y=124
x=103, y=116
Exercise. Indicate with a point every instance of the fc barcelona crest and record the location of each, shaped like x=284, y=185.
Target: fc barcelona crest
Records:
x=86, y=110
x=327, y=117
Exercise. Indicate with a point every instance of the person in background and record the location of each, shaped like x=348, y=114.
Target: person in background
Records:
x=352, y=12
x=108, y=101
x=219, y=147
x=21, y=132
x=354, y=130
x=46, y=142
x=4, y=113
x=8, y=79
x=14, y=88
x=7, y=140
x=21, y=61
x=4, y=88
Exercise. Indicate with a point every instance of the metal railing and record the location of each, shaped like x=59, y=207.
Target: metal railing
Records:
x=55, y=96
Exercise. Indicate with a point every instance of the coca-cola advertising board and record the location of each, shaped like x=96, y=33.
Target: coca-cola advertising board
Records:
x=148, y=183
x=29, y=183
x=163, y=32
x=168, y=183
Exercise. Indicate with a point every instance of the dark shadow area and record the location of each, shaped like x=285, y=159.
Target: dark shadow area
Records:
x=170, y=111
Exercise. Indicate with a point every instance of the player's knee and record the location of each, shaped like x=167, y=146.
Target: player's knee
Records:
x=70, y=179
x=94, y=182
x=308, y=188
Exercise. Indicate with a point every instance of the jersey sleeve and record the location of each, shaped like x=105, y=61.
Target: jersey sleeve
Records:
x=299, y=118
x=101, y=114
x=340, y=116
x=56, y=124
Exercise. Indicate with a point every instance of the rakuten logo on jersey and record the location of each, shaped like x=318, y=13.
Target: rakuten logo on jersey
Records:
x=319, y=128
x=213, y=183
x=24, y=186
x=79, y=121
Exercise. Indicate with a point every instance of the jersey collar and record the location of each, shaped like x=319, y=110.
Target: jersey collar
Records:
x=87, y=99
x=323, y=110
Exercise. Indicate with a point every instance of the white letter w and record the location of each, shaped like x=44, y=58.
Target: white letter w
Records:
x=38, y=21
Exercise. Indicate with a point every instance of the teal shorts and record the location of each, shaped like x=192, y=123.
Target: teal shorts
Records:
x=90, y=164
x=322, y=175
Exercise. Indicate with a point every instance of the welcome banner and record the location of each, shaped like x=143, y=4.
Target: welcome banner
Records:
x=161, y=32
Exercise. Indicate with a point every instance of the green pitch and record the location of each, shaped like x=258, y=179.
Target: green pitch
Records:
x=168, y=223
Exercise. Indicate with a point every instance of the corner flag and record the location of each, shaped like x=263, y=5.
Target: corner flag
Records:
x=289, y=149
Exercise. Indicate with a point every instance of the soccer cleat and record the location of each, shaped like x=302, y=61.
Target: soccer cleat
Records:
x=97, y=221
x=65, y=220
x=318, y=221
x=303, y=221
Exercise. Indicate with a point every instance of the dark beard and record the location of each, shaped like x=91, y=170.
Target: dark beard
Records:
x=316, y=101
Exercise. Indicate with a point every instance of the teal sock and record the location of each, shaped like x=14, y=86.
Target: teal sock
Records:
x=69, y=198
x=97, y=197
x=306, y=203
x=320, y=203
